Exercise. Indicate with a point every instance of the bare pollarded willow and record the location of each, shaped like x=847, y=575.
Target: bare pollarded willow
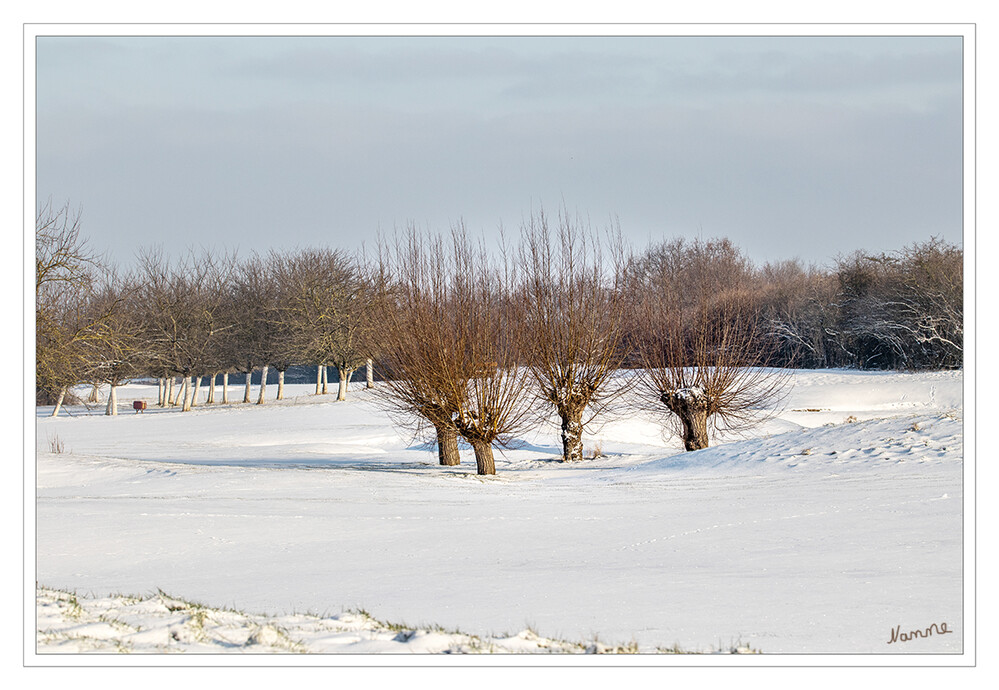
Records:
x=417, y=348
x=572, y=301
x=491, y=331
x=701, y=345
x=451, y=347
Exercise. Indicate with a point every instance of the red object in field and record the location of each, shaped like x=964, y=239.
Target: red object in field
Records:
x=139, y=405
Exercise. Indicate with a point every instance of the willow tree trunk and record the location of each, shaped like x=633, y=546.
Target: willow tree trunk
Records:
x=319, y=378
x=325, y=381
x=447, y=444
x=93, y=395
x=370, y=371
x=211, y=389
x=171, y=397
x=161, y=392
x=280, y=395
x=572, y=435
x=263, y=386
x=112, y=406
x=225, y=388
x=344, y=374
x=58, y=405
x=197, y=391
x=691, y=406
x=484, y=463
x=187, y=395
x=246, y=389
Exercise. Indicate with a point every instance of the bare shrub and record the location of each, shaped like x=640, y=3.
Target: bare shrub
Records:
x=800, y=307
x=905, y=309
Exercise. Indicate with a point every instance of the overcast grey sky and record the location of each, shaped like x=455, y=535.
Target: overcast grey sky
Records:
x=792, y=147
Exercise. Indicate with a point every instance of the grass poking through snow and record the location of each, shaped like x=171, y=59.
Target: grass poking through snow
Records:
x=70, y=624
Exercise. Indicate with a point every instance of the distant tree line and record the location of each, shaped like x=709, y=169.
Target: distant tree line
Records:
x=190, y=322
x=901, y=310
x=478, y=344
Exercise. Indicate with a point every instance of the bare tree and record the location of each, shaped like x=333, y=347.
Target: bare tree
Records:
x=451, y=345
x=242, y=348
x=572, y=302
x=258, y=336
x=62, y=254
x=282, y=352
x=228, y=351
x=414, y=311
x=351, y=348
x=118, y=353
x=66, y=325
x=63, y=328
x=325, y=311
x=185, y=315
x=490, y=330
x=703, y=351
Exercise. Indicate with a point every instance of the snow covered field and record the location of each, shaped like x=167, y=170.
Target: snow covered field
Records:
x=820, y=533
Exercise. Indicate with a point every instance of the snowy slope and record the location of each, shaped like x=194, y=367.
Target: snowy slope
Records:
x=822, y=531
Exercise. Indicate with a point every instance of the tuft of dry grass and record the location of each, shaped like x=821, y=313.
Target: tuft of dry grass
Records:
x=56, y=446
